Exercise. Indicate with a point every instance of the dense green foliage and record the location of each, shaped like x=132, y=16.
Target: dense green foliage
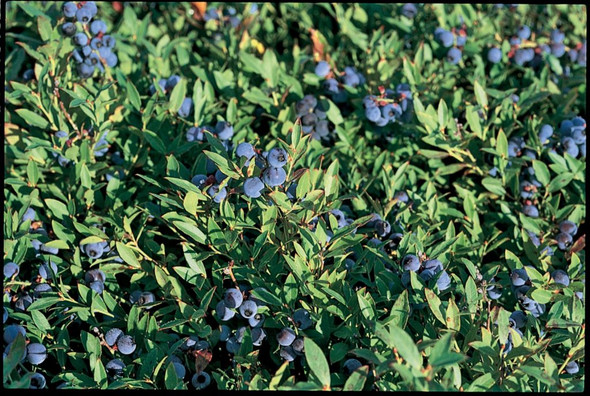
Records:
x=107, y=231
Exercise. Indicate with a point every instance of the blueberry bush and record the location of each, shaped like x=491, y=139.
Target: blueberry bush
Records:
x=298, y=196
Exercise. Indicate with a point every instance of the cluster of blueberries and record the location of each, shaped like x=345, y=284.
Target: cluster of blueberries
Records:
x=35, y=353
x=233, y=302
x=334, y=88
x=427, y=270
x=572, y=140
x=124, y=343
x=167, y=85
x=271, y=164
x=390, y=106
x=95, y=47
x=313, y=117
x=201, y=379
x=227, y=15
x=291, y=345
x=455, y=39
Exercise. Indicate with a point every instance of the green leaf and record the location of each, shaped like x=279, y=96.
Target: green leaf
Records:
x=541, y=172
x=177, y=96
x=318, y=365
x=32, y=118
x=357, y=379
x=133, y=95
x=435, y=305
x=480, y=95
x=127, y=255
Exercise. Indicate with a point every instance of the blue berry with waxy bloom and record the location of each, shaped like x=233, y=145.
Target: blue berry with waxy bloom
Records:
x=36, y=353
x=171, y=82
x=97, y=286
x=545, y=133
x=564, y=241
x=81, y=39
x=524, y=32
x=257, y=320
x=201, y=380
x=186, y=108
x=11, y=331
x=557, y=36
x=409, y=10
x=494, y=292
x=444, y=37
x=568, y=227
x=217, y=193
x=287, y=353
x=69, y=9
x=351, y=365
x=258, y=335
x=68, y=29
x=494, y=55
x=199, y=180
x=322, y=69
x=180, y=369
x=83, y=15
x=286, y=337
x=569, y=146
x=11, y=269
x=248, y=309
x=224, y=130
x=223, y=312
x=519, y=319
x=433, y=264
x=383, y=228
x=572, y=368
x=97, y=27
x=454, y=55
x=233, y=298
x=245, y=150
x=277, y=157
x=232, y=345
x=519, y=277
x=444, y=281
x=561, y=277
x=302, y=319
x=112, y=336
x=224, y=333
x=94, y=275
x=411, y=263
x=274, y=176
x=530, y=210
x=38, y=381
x=45, y=272
x=253, y=187
x=95, y=250
x=126, y=345
x=23, y=303
x=114, y=368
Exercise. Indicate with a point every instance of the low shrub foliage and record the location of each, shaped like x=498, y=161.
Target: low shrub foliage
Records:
x=294, y=196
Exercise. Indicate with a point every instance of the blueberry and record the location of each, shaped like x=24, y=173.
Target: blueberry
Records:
x=351, y=78
x=97, y=27
x=186, y=108
x=195, y=134
x=94, y=250
x=233, y=298
x=287, y=353
x=225, y=333
x=411, y=263
x=572, y=368
x=583, y=149
x=146, y=298
x=322, y=69
x=519, y=277
x=302, y=319
x=433, y=264
x=256, y=320
x=248, y=309
x=171, y=82
x=112, y=336
x=461, y=41
x=37, y=381
x=373, y=113
x=224, y=130
x=83, y=15
x=36, y=353
x=109, y=42
x=561, y=277
x=114, y=368
x=45, y=272
x=274, y=176
x=530, y=210
x=277, y=157
x=409, y=10
x=11, y=331
x=331, y=86
x=253, y=187
x=527, y=190
x=446, y=38
x=558, y=49
x=81, y=39
x=258, y=335
x=286, y=337
x=69, y=9
x=97, y=286
x=68, y=29
x=545, y=133
x=201, y=381
x=232, y=345
x=534, y=239
x=514, y=41
x=94, y=275
x=394, y=240
x=199, y=180
x=111, y=60
x=401, y=196
x=11, y=269
x=428, y=273
x=351, y=365
x=126, y=344
x=217, y=194
x=180, y=369
x=245, y=150
x=85, y=70
x=557, y=36
x=494, y=292
x=91, y=7
x=535, y=308
x=23, y=302
x=579, y=135
x=568, y=227
x=524, y=32
x=519, y=318
x=40, y=289
x=224, y=313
